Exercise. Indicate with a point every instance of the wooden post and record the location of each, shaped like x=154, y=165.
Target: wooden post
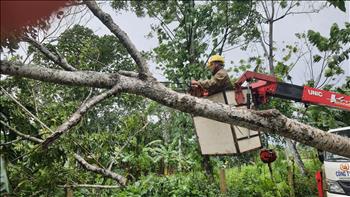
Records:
x=69, y=192
x=223, y=187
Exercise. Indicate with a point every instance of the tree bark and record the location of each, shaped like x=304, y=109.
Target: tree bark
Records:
x=269, y=121
x=270, y=57
x=120, y=179
x=57, y=59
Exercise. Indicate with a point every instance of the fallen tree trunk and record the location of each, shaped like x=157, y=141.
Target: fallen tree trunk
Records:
x=270, y=121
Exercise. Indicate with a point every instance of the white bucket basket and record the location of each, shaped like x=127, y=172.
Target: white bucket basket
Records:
x=217, y=138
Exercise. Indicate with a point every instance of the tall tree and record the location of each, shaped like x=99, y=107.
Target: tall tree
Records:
x=144, y=84
x=123, y=79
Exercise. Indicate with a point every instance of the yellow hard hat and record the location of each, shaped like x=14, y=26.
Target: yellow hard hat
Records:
x=216, y=58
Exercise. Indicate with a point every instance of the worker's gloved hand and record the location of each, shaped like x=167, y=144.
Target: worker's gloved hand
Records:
x=197, y=90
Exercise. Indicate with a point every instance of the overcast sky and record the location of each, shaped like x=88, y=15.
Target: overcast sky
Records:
x=284, y=30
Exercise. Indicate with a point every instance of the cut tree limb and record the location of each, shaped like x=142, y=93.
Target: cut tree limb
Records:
x=269, y=121
x=120, y=179
x=56, y=59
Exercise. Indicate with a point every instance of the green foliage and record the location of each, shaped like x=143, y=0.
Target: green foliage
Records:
x=153, y=146
x=189, y=184
x=326, y=118
x=245, y=180
x=338, y=4
x=87, y=51
x=170, y=154
x=283, y=4
x=335, y=46
x=332, y=52
x=255, y=180
x=251, y=182
x=187, y=30
x=34, y=172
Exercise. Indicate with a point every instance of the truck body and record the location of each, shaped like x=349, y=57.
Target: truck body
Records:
x=337, y=170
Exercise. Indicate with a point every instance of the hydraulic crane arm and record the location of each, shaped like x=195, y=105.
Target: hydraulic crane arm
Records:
x=267, y=85
x=326, y=98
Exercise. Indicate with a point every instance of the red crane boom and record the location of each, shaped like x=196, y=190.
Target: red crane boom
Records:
x=267, y=85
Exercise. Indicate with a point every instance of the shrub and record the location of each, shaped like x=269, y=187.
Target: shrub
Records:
x=189, y=184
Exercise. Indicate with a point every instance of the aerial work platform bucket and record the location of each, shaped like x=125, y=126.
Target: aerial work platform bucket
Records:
x=217, y=138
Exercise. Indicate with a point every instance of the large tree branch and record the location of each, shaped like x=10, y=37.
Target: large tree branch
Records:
x=80, y=78
x=59, y=60
x=107, y=20
x=78, y=115
x=120, y=179
x=270, y=121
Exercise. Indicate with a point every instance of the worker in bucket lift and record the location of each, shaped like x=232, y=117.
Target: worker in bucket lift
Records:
x=217, y=83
